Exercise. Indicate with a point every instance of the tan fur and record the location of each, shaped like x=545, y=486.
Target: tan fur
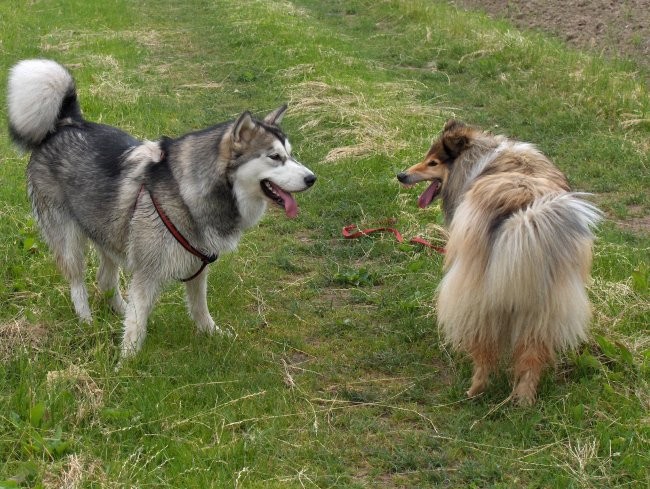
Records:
x=518, y=255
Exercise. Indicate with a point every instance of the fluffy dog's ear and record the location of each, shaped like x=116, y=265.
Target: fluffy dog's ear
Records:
x=454, y=145
x=275, y=117
x=243, y=124
x=452, y=124
x=454, y=138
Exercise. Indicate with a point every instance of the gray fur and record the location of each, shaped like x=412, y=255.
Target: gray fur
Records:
x=85, y=180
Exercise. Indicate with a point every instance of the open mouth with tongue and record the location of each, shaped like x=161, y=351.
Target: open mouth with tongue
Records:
x=429, y=194
x=280, y=197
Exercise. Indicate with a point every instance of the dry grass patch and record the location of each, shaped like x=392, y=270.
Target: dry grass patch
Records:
x=580, y=460
x=63, y=40
x=636, y=225
x=284, y=8
x=110, y=86
x=18, y=335
x=89, y=395
x=76, y=471
x=343, y=113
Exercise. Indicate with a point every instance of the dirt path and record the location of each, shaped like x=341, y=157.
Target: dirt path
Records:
x=615, y=27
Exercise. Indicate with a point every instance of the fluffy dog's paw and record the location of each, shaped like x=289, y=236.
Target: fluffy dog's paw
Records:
x=476, y=389
x=523, y=395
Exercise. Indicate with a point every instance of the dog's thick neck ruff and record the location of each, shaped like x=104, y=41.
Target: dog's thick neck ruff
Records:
x=178, y=236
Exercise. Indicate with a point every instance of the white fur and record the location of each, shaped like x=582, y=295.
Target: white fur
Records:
x=36, y=90
x=148, y=151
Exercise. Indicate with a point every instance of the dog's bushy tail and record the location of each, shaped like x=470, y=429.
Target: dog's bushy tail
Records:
x=540, y=262
x=41, y=93
x=522, y=279
x=538, y=244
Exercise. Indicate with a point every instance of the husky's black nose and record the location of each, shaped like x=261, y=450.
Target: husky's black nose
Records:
x=310, y=180
x=402, y=177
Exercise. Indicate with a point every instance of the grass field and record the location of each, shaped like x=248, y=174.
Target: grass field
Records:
x=335, y=375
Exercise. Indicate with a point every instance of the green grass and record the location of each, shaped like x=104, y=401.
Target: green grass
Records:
x=335, y=376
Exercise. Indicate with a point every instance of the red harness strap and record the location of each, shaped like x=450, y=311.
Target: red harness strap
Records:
x=349, y=234
x=206, y=259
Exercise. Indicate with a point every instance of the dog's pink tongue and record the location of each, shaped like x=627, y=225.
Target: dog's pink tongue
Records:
x=427, y=196
x=290, y=205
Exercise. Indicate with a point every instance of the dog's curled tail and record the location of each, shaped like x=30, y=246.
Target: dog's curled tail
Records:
x=41, y=93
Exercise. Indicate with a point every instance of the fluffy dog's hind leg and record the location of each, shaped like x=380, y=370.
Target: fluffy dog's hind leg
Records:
x=108, y=280
x=530, y=358
x=485, y=356
x=143, y=291
x=197, y=304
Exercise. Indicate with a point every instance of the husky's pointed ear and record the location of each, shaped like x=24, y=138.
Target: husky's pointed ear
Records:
x=243, y=124
x=275, y=117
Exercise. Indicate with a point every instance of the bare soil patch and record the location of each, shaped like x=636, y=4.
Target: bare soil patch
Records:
x=616, y=28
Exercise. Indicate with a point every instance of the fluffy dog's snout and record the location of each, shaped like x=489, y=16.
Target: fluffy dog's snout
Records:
x=403, y=177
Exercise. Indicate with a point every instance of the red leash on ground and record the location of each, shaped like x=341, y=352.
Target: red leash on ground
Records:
x=349, y=233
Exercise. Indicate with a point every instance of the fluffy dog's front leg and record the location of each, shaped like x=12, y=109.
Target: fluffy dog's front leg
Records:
x=142, y=294
x=197, y=304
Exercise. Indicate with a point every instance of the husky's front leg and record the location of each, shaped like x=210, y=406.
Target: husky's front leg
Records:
x=142, y=295
x=197, y=303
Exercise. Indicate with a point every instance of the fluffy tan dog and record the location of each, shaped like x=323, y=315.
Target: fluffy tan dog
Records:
x=518, y=257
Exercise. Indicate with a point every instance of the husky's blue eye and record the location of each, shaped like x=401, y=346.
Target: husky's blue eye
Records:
x=275, y=157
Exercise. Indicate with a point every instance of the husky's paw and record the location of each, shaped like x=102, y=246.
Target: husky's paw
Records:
x=83, y=313
x=210, y=328
x=80, y=302
x=148, y=151
x=131, y=342
x=154, y=151
x=129, y=350
x=85, y=318
x=118, y=306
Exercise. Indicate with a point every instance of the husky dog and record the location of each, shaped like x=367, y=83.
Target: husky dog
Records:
x=163, y=209
x=518, y=256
